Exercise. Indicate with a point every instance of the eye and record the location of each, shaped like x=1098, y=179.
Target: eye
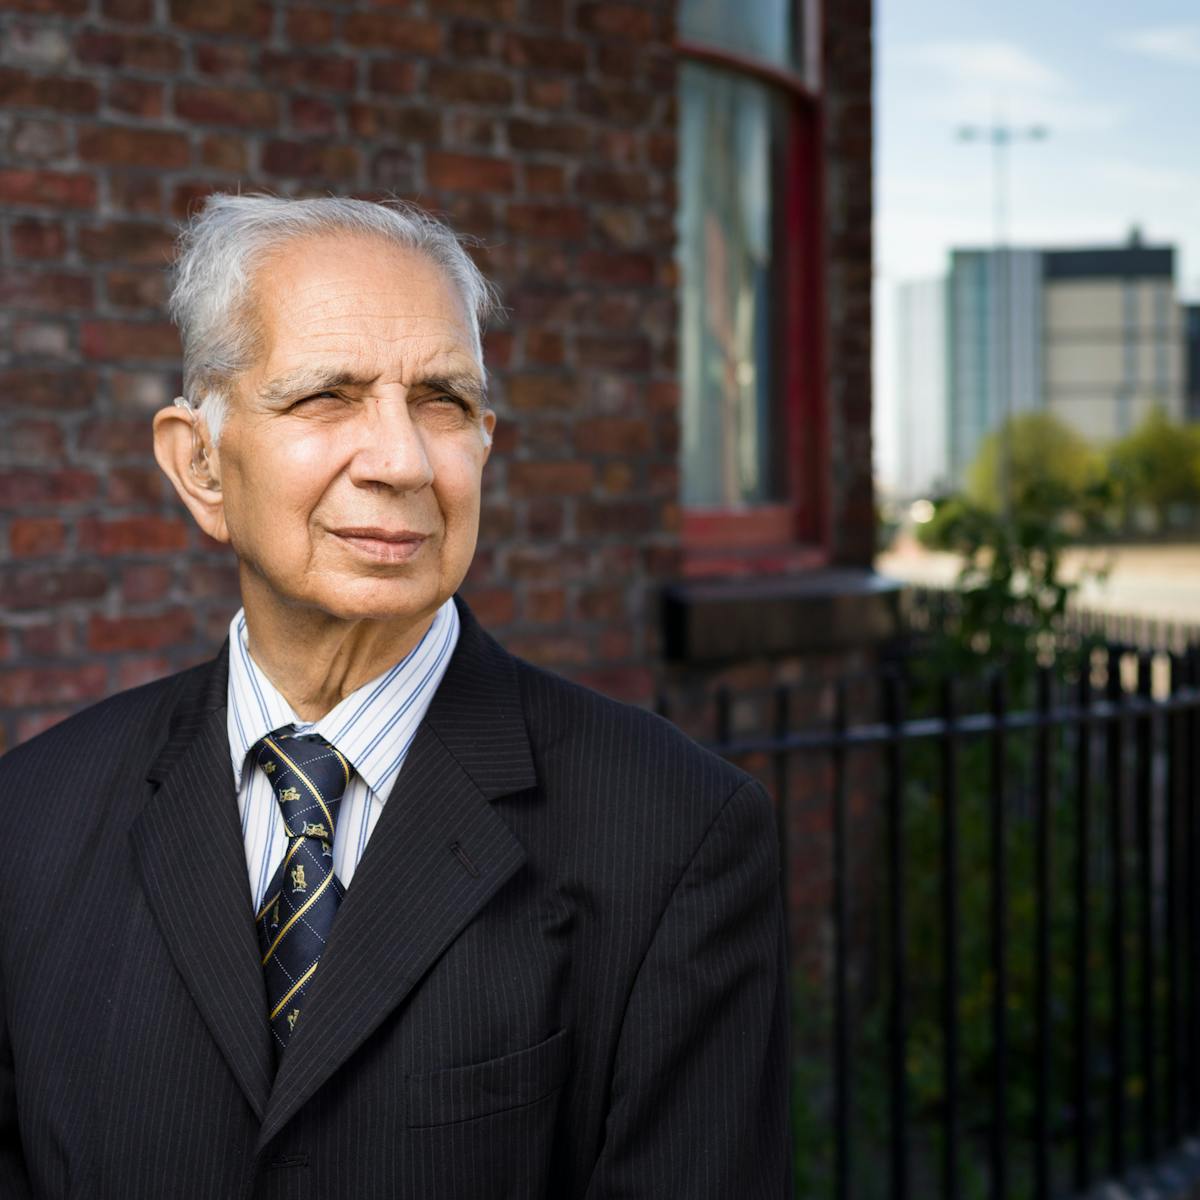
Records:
x=443, y=398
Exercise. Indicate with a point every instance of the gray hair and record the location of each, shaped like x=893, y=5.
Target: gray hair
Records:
x=222, y=245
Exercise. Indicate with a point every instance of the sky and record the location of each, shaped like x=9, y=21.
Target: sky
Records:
x=1115, y=85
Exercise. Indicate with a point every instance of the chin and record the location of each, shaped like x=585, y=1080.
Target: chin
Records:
x=389, y=602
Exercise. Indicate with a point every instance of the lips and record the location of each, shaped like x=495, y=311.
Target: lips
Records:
x=382, y=545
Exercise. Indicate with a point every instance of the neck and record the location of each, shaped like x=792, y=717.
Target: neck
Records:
x=337, y=656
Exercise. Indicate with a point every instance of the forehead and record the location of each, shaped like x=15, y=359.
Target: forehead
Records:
x=364, y=302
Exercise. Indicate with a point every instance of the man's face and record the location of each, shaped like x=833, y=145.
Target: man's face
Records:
x=351, y=457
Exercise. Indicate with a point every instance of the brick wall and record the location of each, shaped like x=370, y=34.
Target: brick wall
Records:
x=545, y=127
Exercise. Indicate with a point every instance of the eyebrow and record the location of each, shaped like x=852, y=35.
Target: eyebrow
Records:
x=308, y=381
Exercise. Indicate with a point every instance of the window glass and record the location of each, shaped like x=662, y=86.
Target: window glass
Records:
x=732, y=151
x=764, y=29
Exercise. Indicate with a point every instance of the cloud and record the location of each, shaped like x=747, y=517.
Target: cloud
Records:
x=979, y=80
x=992, y=64
x=1167, y=43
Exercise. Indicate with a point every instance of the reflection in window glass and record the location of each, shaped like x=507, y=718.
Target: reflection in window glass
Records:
x=764, y=29
x=731, y=201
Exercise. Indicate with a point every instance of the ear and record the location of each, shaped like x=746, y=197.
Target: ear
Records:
x=189, y=460
x=489, y=426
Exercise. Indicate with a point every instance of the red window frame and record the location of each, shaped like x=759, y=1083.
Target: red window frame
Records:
x=794, y=534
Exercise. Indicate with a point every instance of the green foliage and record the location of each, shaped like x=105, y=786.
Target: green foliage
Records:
x=1050, y=466
x=1157, y=466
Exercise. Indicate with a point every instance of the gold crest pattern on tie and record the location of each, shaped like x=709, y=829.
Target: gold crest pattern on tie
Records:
x=308, y=776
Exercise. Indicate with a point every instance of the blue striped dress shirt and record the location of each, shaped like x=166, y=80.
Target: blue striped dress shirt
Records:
x=373, y=727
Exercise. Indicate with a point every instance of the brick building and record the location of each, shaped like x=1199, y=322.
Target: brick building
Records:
x=615, y=547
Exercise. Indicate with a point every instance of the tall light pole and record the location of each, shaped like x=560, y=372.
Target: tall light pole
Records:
x=1000, y=135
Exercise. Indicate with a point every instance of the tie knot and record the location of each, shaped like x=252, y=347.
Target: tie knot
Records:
x=308, y=775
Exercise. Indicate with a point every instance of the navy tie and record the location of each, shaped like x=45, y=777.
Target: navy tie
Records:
x=308, y=776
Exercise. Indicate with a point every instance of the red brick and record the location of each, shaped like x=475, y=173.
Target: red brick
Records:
x=626, y=21
x=141, y=11
x=246, y=18
x=24, y=387
x=160, y=148
x=545, y=606
x=57, y=8
x=616, y=517
x=67, y=486
x=541, y=92
x=28, y=588
x=547, y=564
x=56, y=639
x=474, y=41
x=470, y=129
x=617, y=479
x=32, y=537
x=548, y=220
x=542, y=392
x=308, y=160
x=310, y=115
x=134, y=485
x=117, y=437
x=19, y=89
x=602, y=604
x=544, y=519
x=129, y=339
x=483, y=10
x=133, y=672
x=34, y=239
x=381, y=121
x=139, y=51
x=611, y=266
x=476, y=85
x=550, y=478
x=552, y=137
x=137, y=97
x=47, y=189
x=542, y=52
x=224, y=60
x=211, y=581
x=615, y=353
x=543, y=347
x=497, y=523
x=29, y=442
x=614, y=435
x=616, y=103
x=136, y=289
x=133, y=535
x=306, y=72
x=224, y=153
x=493, y=606
x=136, y=193
x=186, y=198
x=633, y=685
x=51, y=291
x=602, y=183
x=109, y=634
x=143, y=583
x=550, y=650
x=468, y=172
x=392, y=77
x=24, y=687
x=242, y=107
x=381, y=30
x=547, y=179
x=310, y=26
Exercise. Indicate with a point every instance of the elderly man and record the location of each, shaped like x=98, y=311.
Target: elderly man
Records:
x=365, y=906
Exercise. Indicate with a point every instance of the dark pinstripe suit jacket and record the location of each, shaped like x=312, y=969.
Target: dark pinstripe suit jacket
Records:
x=559, y=971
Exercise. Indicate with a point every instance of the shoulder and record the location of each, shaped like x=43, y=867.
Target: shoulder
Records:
x=130, y=723
x=624, y=755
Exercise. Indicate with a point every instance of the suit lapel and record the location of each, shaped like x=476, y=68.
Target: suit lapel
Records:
x=189, y=849
x=438, y=854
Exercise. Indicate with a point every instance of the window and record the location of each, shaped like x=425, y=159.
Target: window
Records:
x=750, y=311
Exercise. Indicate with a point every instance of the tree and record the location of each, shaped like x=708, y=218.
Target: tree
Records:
x=1157, y=466
x=1051, y=467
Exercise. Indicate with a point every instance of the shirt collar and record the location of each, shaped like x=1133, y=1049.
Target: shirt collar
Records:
x=372, y=726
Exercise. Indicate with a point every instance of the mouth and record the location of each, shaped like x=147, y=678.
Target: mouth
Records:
x=382, y=545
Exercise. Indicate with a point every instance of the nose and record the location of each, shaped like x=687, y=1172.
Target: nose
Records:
x=390, y=449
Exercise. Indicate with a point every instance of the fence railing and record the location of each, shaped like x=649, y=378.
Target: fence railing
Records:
x=1012, y=912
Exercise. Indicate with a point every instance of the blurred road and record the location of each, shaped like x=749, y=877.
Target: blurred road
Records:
x=1162, y=582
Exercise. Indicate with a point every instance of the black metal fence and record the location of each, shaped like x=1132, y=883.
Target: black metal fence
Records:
x=1011, y=993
